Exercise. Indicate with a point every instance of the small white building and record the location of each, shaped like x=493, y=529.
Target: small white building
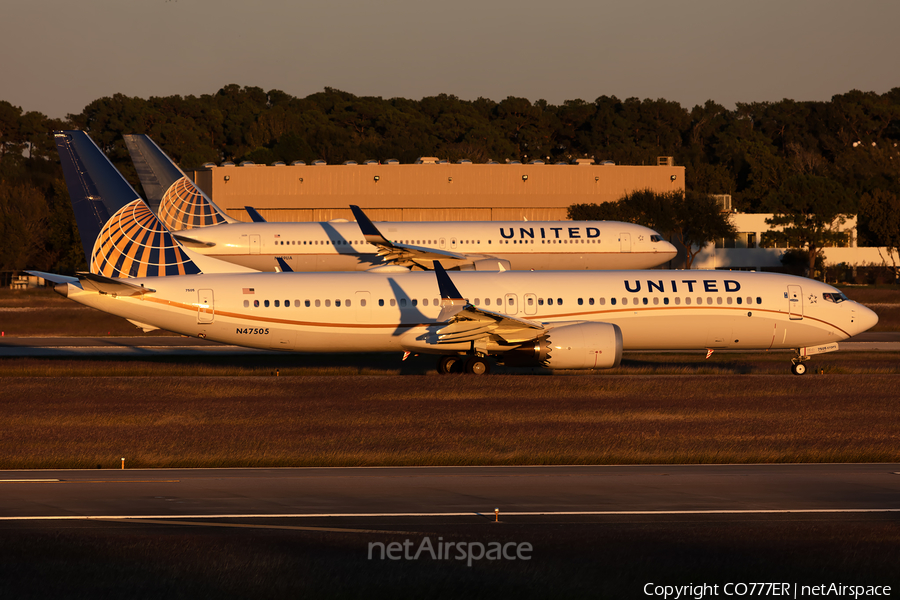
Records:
x=746, y=251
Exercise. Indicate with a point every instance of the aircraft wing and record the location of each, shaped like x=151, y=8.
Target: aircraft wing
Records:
x=466, y=322
x=401, y=254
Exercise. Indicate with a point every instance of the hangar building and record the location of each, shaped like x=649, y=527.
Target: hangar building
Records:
x=430, y=190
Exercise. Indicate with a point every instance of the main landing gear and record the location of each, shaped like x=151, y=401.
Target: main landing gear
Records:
x=476, y=365
x=797, y=366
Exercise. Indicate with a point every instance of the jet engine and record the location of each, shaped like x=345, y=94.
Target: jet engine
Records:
x=576, y=346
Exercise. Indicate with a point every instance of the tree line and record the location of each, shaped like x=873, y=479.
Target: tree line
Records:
x=786, y=157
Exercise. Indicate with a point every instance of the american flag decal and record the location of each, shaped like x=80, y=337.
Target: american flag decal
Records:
x=249, y=291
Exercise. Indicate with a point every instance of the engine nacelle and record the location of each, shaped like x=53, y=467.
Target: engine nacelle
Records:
x=576, y=346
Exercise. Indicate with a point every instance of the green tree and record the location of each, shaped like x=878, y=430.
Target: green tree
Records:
x=809, y=210
x=879, y=214
x=689, y=220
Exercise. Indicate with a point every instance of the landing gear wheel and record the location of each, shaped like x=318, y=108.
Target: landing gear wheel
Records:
x=798, y=369
x=477, y=366
x=449, y=364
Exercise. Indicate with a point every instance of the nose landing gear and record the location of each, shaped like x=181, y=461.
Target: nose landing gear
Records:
x=797, y=366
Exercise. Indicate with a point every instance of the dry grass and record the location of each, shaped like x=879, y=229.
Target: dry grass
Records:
x=82, y=422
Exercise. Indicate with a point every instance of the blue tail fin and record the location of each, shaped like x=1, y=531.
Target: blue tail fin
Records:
x=96, y=188
x=178, y=202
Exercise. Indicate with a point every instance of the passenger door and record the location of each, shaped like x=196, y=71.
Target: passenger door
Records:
x=795, y=302
x=206, y=309
x=625, y=242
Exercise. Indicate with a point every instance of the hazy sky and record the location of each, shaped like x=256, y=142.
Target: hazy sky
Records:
x=59, y=55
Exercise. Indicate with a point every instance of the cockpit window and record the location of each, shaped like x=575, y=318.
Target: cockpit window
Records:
x=836, y=297
x=656, y=238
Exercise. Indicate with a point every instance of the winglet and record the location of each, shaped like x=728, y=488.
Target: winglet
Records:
x=369, y=231
x=254, y=215
x=452, y=302
x=445, y=284
x=282, y=264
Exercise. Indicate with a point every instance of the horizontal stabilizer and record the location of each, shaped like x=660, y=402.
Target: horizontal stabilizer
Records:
x=109, y=285
x=53, y=277
x=192, y=242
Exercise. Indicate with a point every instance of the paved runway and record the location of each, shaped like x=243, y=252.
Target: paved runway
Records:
x=45, y=347
x=681, y=489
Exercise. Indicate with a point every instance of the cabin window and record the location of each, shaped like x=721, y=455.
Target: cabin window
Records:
x=425, y=302
x=381, y=302
x=256, y=304
x=393, y=302
x=559, y=301
x=277, y=304
x=740, y=300
x=530, y=301
x=487, y=301
x=347, y=302
x=402, y=302
x=499, y=301
x=246, y=304
x=477, y=302
x=677, y=300
x=318, y=303
x=328, y=303
x=580, y=301
x=687, y=301
x=749, y=300
x=612, y=301
x=591, y=301
x=306, y=303
x=624, y=301
x=362, y=302
x=758, y=300
x=266, y=303
x=540, y=301
x=415, y=302
x=337, y=303
x=601, y=301
x=645, y=301
x=656, y=300
x=666, y=301
x=729, y=300
x=550, y=301
x=719, y=300
x=699, y=301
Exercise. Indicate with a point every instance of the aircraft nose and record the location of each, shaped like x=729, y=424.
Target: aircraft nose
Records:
x=666, y=248
x=864, y=318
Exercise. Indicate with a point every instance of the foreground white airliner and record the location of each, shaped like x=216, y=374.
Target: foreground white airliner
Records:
x=343, y=245
x=558, y=319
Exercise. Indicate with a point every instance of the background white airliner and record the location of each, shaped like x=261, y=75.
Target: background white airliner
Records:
x=348, y=246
